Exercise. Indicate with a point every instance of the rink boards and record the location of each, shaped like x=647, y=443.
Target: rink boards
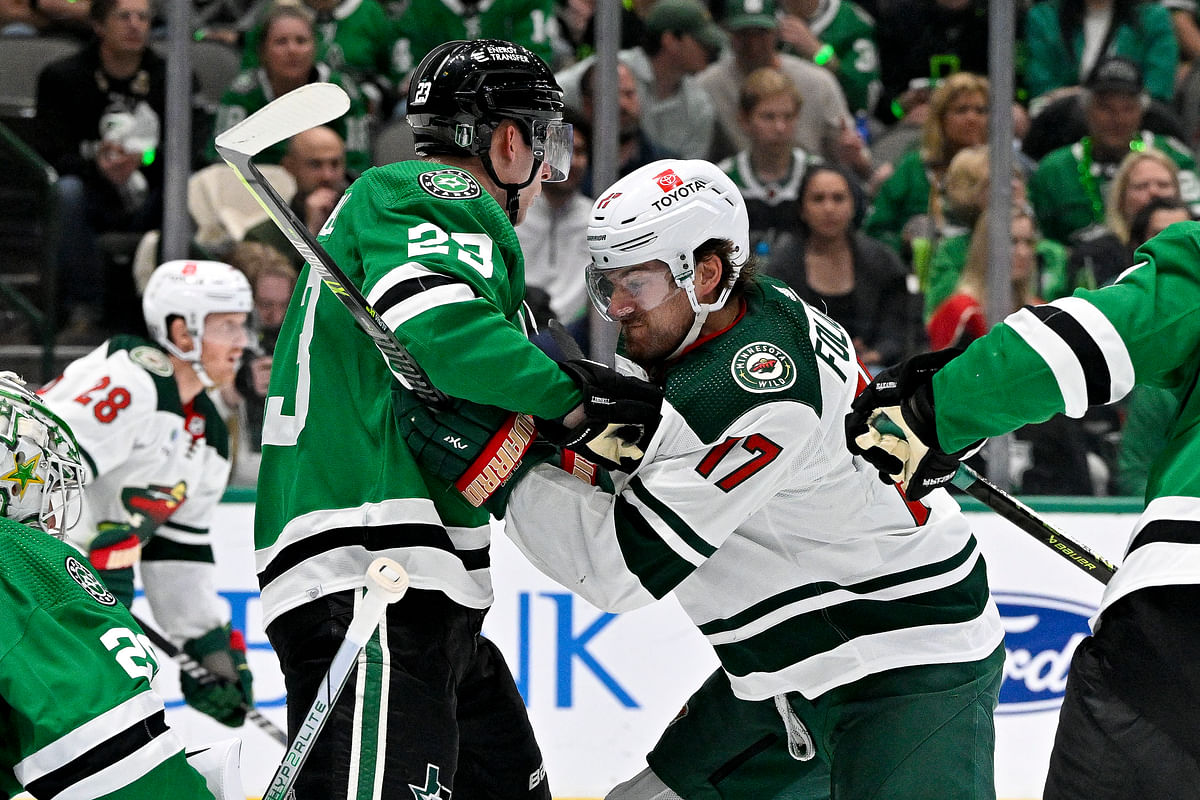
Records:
x=600, y=687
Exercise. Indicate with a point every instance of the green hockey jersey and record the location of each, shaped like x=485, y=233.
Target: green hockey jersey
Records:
x=803, y=571
x=427, y=23
x=251, y=90
x=437, y=259
x=850, y=31
x=356, y=38
x=78, y=718
x=1068, y=190
x=1090, y=349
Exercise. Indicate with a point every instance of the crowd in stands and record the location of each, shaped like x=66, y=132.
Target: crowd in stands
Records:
x=857, y=132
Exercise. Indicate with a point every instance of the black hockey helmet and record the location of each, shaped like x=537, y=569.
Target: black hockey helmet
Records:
x=462, y=90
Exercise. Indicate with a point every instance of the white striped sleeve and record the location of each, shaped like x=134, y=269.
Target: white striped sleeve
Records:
x=1082, y=348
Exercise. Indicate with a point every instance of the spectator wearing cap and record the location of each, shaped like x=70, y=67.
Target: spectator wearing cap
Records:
x=680, y=39
x=1067, y=40
x=1069, y=186
x=824, y=125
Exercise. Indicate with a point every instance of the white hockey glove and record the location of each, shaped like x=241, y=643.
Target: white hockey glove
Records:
x=892, y=425
x=620, y=414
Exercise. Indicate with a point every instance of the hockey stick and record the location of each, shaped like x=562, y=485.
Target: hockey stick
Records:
x=1017, y=513
x=300, y=109
x=195, y=669
x=1028, y=520
x=386, y=583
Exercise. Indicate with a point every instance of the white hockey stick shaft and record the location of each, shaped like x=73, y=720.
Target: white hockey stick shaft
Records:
x=300, y=109
x=386, y=583
x=195, y=669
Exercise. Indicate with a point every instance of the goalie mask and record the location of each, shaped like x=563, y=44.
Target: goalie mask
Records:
x=41, y=472
x=461, y=92
x=192, y=290
x=664, y=211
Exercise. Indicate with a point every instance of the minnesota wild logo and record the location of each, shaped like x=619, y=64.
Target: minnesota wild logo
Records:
x=450, y=184
x=762, y=367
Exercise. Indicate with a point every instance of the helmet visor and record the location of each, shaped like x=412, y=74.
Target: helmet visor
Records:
x=625, y=292
x=552, y=145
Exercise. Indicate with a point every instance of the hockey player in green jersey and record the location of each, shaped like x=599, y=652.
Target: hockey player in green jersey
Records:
x=1128, y=722
x=79, y=718
x=431, y=245
x=156, y=452
x=861, y=653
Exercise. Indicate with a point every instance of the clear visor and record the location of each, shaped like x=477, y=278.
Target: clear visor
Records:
x=552, y=144
x=622, y=293
x=229, y=331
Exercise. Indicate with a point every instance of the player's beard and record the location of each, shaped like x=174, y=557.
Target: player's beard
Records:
x=649, y=337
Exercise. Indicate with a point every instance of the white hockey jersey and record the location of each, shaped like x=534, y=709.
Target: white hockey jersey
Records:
x=801, y=568
x=156, y=469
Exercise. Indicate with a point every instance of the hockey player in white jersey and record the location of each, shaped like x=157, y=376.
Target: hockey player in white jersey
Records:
x=156, y=458
x=861, y=654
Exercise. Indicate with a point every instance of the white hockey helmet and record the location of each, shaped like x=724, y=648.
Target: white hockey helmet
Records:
x=41, y=471
x=664, y=211
x=192, y=290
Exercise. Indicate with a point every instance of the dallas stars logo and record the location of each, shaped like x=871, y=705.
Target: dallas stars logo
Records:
x=24, y=474
x=450, y=184
x=432, y=790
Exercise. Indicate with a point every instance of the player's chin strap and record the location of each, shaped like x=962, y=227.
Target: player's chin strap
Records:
x=702, y=311
x=193, y=360
x=512, y=191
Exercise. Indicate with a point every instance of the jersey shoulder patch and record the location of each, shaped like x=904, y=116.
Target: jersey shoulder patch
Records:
x=152, y=360
x=83, y=576
x=450, y=184
x=767, y=357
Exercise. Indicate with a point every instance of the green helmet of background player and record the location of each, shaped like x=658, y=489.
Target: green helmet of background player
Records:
x=41, y=471
x=461, y=92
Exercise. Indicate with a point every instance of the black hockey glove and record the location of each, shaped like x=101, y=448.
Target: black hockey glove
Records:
x=620, y=415
x=221, y=651
x=482, y=450
x=892, y=425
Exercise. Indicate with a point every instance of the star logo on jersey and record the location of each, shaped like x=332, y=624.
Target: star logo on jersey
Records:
x=90, y=583
x=450, y=184
x=24, y=474
x=432, y=790
x=762, y=367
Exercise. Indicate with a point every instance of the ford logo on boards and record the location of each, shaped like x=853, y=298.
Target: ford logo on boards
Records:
x=1040, y=635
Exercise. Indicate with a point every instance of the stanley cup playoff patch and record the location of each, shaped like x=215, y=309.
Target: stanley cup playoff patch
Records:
x=90, y=583
x=762, y=367
x=450, y=184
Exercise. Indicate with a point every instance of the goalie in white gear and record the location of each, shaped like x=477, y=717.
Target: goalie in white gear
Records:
x=89, y=724
x=156, y=456
x=861, y=654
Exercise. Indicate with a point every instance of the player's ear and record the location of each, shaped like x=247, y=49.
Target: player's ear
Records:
x=708, y=277
x=506, y=142
x=177, y=331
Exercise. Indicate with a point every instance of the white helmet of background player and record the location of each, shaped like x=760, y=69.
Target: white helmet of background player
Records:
x=41, y=472
x=192, y=290
x=664, y=211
